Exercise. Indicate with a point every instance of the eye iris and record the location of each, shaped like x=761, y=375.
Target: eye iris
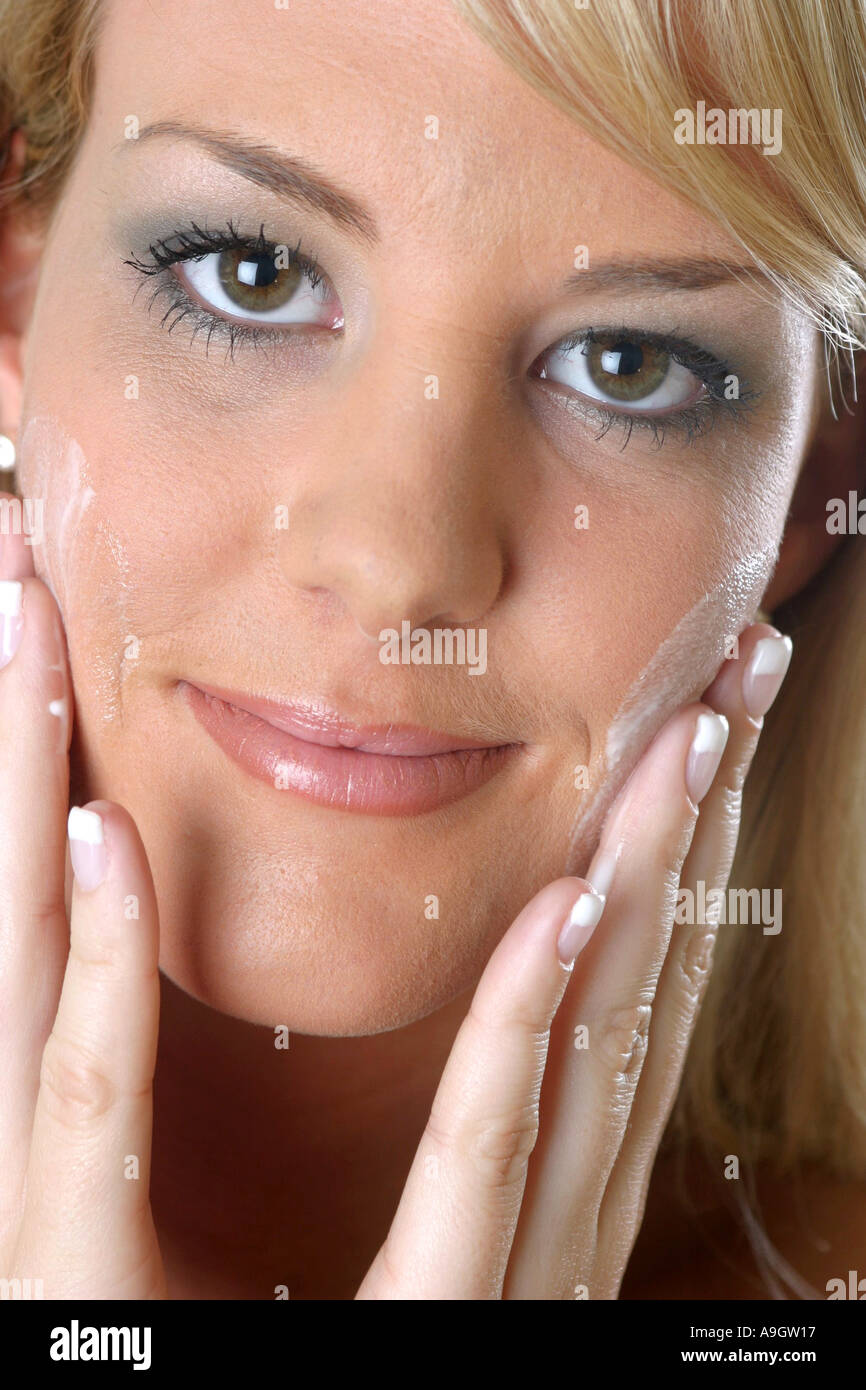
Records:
x=625, y=370
x=253, y=280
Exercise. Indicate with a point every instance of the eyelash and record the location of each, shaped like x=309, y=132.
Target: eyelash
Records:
x=194, y=242
x=690, y=422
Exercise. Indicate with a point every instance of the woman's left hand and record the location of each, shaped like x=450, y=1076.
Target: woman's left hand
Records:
x=519, y=1192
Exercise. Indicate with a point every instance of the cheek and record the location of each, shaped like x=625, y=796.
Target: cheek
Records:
x=682, y=666
x=80, y=557
x=132, y=548
x=689, y=657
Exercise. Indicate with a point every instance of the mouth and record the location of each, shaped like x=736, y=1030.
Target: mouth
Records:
x=377, y=770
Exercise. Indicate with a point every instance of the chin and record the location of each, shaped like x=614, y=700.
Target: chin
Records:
x=311, y=922
x=330, y=973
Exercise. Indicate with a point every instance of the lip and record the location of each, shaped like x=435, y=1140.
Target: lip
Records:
x=383, y=770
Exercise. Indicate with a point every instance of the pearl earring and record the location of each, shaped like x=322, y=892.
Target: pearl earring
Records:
x=7, y=453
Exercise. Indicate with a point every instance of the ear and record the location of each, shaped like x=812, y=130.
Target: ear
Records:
x=834, y=467
x=21, y=242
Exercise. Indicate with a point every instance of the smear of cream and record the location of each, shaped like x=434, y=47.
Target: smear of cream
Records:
x=78, y=541
x=681, y=668
x=54, y=467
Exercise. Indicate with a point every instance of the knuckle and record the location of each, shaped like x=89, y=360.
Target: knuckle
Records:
x=619, y=1038
x=45, y=910
x=106, y=968
x=732, y=792
x=737, y=775
x=727, y=816
x=73, y=1084
x=100, y=962
x=696, y=962
x=499, y=1146
x=440, y=1135
x=495, y=1146
x=522, y=1019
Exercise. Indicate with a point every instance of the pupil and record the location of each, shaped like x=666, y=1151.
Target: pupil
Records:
x=257, y=269
x=623, y=359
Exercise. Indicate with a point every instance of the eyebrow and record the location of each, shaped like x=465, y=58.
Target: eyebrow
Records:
x=688, y=274
x=289, y=177
x=298, y=181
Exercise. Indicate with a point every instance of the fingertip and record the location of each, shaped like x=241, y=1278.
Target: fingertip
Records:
x=583, y=919
x=103, y=839
x=725, y=690
x=88, y=851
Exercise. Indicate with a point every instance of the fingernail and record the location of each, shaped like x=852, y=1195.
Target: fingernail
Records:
x=11, y=621
x=582, y=922
x=705, y=754
x=764, y=673
x=87, y=847
x=602, y=869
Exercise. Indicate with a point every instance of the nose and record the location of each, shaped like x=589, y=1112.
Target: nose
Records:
x=398, y=512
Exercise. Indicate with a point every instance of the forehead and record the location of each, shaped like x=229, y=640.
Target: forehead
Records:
x=352, y=86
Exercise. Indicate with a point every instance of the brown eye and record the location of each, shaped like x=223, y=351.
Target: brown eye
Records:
x=622, y=371
x=249, y=285
x=253, y=280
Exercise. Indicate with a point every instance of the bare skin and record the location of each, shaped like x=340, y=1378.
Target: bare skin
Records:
x=288, y=1169
x=476, y=1218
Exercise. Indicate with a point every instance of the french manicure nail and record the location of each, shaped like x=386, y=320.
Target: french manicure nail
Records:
x=602, y=869
x=11, y=621
x=87, y=847
x=582, y=921
x=764, y=673
x=705, y=754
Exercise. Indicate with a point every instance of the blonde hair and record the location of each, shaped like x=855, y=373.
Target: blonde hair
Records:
x=777, y=1068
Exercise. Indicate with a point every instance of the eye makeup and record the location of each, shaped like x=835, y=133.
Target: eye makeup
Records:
x=254, y=262
x=721, y=389
x=187, y=270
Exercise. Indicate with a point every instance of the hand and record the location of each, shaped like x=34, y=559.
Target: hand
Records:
x=81, y=999
x=496, y=1206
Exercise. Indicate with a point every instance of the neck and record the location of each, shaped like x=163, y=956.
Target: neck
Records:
x=306, y=1146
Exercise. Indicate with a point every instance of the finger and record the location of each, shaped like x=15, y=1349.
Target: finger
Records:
x=34, y=774
x=754, y=677
x=452, y=1232
x=601, y=1035
x=87, y=1220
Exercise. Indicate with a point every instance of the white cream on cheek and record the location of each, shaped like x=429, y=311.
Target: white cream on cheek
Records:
x=53, y=469
x=79, y=552
x=682, y=666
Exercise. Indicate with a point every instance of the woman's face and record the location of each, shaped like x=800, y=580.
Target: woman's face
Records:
x=250, y=513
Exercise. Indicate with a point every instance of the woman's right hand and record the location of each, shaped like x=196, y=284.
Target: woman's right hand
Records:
x=79, y=999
